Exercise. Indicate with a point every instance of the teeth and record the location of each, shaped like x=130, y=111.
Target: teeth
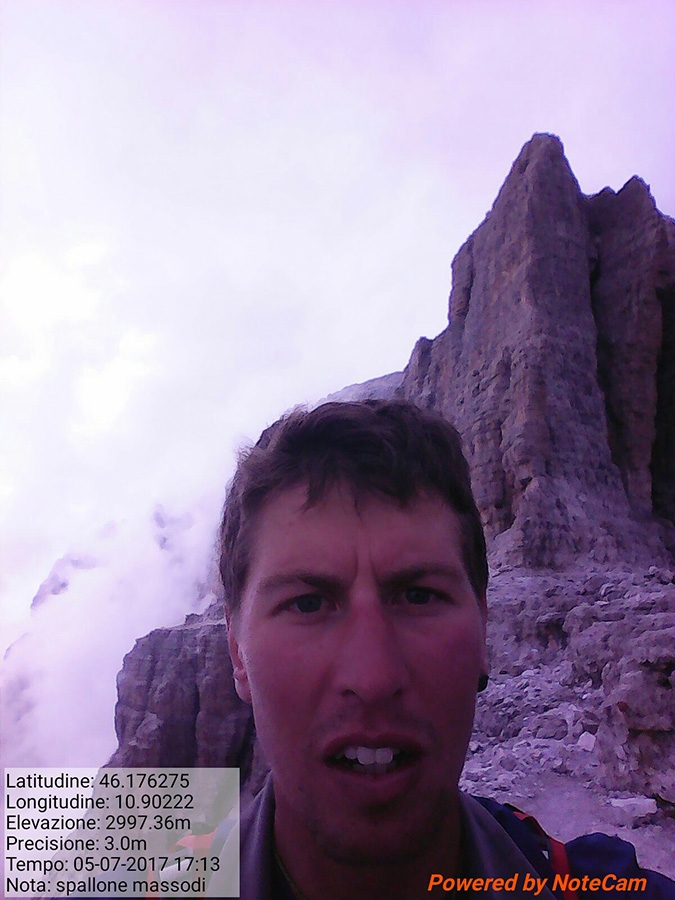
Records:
x=384, y=755
x=366, y=756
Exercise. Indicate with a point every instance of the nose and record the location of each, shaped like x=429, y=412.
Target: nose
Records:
x=371, y=662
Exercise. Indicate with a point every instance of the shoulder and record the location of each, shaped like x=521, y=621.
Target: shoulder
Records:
x=614, y=863
x=593, y=865
x=246, y=853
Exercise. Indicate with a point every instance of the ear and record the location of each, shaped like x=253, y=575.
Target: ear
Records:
x=239, y=672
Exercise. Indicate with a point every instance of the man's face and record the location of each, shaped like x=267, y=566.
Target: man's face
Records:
x=359, y=642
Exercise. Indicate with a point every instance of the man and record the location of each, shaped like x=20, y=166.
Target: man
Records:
x=355, y=575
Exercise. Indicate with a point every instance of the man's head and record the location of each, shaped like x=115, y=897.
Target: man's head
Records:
x=354, y=567
x=378, y=447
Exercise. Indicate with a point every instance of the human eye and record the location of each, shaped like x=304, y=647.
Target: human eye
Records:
x=416, y=596
x=419, y=596
x=307, y=604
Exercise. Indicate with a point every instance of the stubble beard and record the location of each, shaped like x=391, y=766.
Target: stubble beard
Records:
x=370, y=843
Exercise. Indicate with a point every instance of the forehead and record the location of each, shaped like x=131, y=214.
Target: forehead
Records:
x=289, y=532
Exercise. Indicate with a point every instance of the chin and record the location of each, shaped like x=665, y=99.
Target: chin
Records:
x=383, y=841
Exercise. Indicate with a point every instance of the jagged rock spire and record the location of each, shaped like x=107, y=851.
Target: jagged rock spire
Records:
x=531, y=372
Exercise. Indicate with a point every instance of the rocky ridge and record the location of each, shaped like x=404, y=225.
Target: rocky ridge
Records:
x=580, y=702
x=558, y=368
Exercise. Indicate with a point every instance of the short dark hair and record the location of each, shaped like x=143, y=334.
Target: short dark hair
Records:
x=376, y=447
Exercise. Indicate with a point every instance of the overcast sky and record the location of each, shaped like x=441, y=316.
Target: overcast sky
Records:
x=213, y=210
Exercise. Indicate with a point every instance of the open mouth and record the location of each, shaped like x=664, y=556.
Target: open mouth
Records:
x=371, y=760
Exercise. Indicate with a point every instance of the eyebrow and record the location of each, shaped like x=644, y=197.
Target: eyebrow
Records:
x=421, y=570
x=314, y=579
x=330, y=582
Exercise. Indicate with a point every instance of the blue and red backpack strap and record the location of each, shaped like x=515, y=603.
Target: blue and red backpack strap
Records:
x=557, y=854
x=544, y=853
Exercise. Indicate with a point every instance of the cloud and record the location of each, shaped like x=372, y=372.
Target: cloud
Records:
x=58, y=683
x=103, y=393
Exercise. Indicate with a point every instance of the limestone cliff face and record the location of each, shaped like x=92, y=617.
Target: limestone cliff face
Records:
x=633, y=296
x=177, y=705
x=557, y=367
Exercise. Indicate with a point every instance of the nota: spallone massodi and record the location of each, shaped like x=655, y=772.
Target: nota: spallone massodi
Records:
x=535, y=885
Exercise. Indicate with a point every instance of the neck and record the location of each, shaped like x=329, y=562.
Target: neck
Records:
x=315, y=873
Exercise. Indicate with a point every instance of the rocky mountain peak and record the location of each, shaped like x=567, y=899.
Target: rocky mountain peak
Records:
x=552, y=367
